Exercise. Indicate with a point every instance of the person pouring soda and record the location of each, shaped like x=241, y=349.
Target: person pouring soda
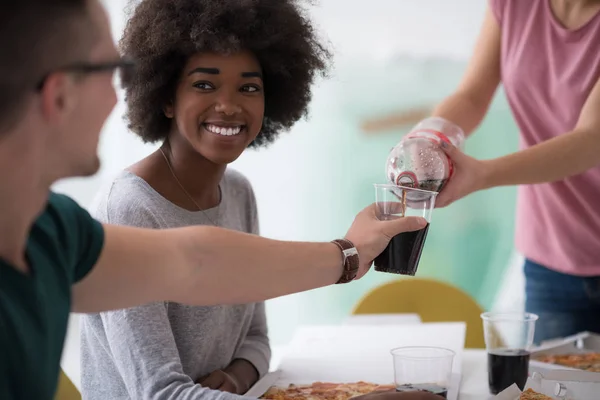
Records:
x=546, y=54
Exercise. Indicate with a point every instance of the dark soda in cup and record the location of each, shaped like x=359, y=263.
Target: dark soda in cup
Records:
x=506, y=367
x=402, y=254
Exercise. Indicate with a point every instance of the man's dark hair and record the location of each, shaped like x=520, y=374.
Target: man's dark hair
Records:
x=163, y=34
x=37, y=37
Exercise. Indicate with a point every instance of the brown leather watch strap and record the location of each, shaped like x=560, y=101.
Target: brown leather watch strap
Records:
x=350, y=260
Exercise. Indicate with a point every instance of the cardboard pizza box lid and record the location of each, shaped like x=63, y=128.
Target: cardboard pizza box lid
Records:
x=560, y=385
x=371, y=345
x=580, y=342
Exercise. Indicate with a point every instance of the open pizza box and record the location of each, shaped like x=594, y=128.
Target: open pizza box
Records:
x=584, y=342
x=558, y=385
x=352, y=353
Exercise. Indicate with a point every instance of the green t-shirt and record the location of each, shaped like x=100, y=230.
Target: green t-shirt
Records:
x=63, y=246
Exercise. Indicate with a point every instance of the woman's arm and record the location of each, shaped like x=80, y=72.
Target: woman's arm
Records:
x=555, y=159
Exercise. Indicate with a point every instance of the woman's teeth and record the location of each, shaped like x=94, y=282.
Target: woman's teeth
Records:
x=222, y=130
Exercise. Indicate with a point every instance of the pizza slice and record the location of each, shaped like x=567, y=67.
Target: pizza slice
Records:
x=323, y=391
x=585, y=361
x=530, y=394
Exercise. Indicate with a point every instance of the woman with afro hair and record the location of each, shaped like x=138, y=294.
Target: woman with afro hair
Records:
x=213, y=78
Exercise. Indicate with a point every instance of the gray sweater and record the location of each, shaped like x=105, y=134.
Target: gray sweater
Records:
x=157, y=351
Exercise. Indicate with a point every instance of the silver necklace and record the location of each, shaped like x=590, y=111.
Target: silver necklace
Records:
x=183, y=189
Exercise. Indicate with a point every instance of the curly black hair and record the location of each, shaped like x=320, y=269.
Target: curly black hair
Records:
x=162, y=34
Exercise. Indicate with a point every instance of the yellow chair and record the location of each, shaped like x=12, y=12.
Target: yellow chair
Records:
x=66, y=390
x=434, y=301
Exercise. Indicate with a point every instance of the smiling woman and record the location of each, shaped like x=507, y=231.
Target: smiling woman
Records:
x=212, y=79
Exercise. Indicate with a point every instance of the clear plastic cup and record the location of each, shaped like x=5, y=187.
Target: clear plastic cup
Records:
x=402, y=254
x=424, y=369
x=508, y=340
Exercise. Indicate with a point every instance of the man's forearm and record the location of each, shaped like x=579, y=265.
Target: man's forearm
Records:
x=228, y=267
x=463, y=110
x=201, y=265
x=552, y=160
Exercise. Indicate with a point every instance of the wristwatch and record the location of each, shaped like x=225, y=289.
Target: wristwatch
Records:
x=350, y=260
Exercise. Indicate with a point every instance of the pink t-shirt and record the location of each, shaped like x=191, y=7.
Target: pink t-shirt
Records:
x=548, y=72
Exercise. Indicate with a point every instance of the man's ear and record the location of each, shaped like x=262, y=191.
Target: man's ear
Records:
x=59, y=96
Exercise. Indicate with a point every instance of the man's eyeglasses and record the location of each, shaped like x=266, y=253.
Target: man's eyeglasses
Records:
x=90, y=68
